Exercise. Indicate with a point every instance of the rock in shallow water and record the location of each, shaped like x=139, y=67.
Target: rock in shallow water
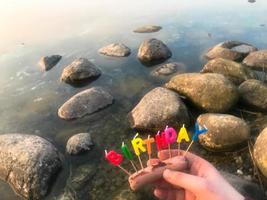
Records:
x=79, y=143
x=147, y=29
x=80, y=69
x=257, y=60
x=168, y=69
x=28, y=163
x=225, y=132
x=254, y=94
x=153, y=50
x=231, y=50
x=260, y=149
x=85, y=102
x=48, y=62
x=209, y=91
x=157, y=108
x=234, y=71
x=116, y=50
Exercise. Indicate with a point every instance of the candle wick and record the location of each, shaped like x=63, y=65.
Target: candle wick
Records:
x=136, y=135
x=106, y=152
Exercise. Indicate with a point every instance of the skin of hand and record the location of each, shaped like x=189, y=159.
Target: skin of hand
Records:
x=201, y=181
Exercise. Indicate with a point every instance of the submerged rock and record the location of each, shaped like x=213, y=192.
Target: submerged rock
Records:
x=257, y=60
x=80, y=69
x=157, y=108
x=153, y=50
x=79, y=143
x=147, y=29
x=260, y=149
x=254, y=94
x=116, y=50
x=84, y=103
x=234, y=71
x=28, y=163
x=168, y=69
x=231, y=50
x=225, y=132
x=48, y=62
x=209, y=91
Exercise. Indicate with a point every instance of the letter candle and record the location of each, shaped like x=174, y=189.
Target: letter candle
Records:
x=115, y=159
x=160, y=141
x=137, y=144
x=170, y=137
x=148, y=143
x=183, y=135
x=198, y=131
x=126, y=152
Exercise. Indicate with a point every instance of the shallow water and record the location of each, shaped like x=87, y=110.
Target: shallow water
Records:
x=30, y=98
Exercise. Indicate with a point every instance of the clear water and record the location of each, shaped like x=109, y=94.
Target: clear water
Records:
x=30, y=98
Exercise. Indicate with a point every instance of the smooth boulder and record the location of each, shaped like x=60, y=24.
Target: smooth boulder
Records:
x=225, y=132
x=235, y=72
x=79, y=143
x=253, y=93
x=28, y=163
x=257, y=60
x=84, y=103
x=147, y=29
x=80, y=69
x=231, y=50
x=115, y=49
x=168, y=69
x=208, y=91
x=260, y=149
x=158, y=108
x=153, y=50
x=48, y=62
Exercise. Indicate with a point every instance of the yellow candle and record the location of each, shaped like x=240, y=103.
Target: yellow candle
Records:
x=183, y=135
x=138, y=145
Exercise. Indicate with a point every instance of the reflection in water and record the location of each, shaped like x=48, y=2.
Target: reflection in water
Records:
x=30, y=98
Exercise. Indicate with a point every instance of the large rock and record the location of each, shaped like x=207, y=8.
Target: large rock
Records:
x=147, y=29
x=231, y=50
x=79, y=143
x=80, y=69
x=48, y=62
x=85, y=102
x=209, y=91
x=158, y=108
x=225, y=132
x=260, y=149
x=115, y=49
x=168, y=69
x=28, y=163
x=153, y=50
x=254, y=94
x=257, y=60
x=234, y=71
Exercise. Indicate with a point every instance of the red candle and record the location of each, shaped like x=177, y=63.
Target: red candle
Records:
x=114, y=158
x=160, y=141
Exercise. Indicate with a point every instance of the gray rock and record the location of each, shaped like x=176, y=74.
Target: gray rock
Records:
x=28, y=163
x=48, y=62
x=80, y=69
x=257, y=60
x=84, y=103
x=231, y=50
x=168, y=69
x=209, y=91
x=115, y=49
x=153, y=50
x=260, y=149
x=254, y=94
x=157, y=108
x=225, y=132
x=79, y=143
x=234, y=71
x=147, y=29
x=244, y=187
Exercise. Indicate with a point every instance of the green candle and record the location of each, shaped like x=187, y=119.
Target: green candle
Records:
x=126, y=152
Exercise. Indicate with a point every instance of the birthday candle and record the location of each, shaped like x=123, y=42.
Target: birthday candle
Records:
x=160, y=141
x=127, y=153
x=115, y=159
x=170, y=137
x=148, y=143
x=183, y=135
x=137, y=144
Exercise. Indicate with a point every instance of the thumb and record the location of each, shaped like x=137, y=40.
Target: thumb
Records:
x=189, y=182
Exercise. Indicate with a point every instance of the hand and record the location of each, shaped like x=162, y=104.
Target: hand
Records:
x=201, y=182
